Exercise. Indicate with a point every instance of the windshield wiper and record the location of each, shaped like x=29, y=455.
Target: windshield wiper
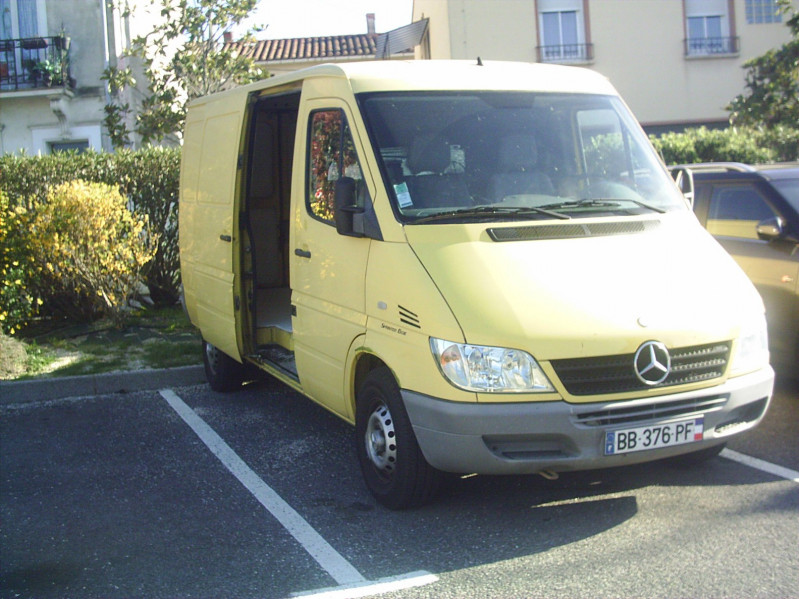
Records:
x=484, y=211
x=600, y=203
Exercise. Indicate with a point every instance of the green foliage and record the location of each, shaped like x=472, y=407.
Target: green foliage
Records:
x=148, y=178
x=91, y=248
x=116, y=113
x=184, y=58
x=772, y=84
x=717, y=145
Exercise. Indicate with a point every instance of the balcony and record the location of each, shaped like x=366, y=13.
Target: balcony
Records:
x=35, y=63
x=568, y=53
x=712, y=46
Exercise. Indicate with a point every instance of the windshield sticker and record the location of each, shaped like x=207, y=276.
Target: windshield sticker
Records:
x=403, y=196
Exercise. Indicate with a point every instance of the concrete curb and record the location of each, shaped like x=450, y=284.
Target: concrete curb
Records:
x=14, y=392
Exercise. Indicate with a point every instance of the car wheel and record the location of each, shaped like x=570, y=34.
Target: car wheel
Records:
x=222, y=371
x=393, y=466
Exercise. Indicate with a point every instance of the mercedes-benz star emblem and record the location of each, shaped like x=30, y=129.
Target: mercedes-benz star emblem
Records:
x=652, y=363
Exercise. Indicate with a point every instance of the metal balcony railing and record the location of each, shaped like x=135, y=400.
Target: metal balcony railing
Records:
x=35, y=62
x=710, y=46
x=566, y=53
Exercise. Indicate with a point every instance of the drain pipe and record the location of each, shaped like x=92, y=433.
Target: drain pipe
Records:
x=104, y=8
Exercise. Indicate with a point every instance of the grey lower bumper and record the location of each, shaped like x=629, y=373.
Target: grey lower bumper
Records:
x=518, y=438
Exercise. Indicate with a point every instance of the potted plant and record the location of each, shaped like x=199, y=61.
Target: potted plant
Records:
x=48, y=71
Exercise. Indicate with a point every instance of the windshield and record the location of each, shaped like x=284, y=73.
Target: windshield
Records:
x=497, y=156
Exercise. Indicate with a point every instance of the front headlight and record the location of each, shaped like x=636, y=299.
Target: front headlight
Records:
x=752, y=348
x=489, y=369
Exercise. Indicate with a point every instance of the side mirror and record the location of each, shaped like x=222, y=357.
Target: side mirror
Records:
x=771, y=228
x=684, y=179
x=345, y=207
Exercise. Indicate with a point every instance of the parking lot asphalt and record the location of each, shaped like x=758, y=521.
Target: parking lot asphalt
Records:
x=111, y=494
x=124, y=495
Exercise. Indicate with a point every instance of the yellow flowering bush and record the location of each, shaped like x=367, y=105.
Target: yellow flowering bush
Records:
x=18, y=301
x=90, y=249
x=148, y=178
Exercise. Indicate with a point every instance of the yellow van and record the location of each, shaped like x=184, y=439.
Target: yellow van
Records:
x=484, y=267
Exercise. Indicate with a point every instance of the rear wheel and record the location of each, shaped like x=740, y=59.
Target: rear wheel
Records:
x=222, y=371
x=393, y=466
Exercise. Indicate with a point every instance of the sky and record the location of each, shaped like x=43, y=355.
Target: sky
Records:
x=315, y=18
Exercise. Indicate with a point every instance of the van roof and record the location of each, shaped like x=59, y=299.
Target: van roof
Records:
x=421, y=75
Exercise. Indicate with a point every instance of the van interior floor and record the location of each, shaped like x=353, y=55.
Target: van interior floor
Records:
x=278, y=356
x=273, y=310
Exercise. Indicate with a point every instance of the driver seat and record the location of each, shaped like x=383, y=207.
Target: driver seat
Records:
x=431, y=186
x=518, y=173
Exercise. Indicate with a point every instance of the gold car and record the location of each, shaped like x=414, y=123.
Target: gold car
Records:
x=753, y=211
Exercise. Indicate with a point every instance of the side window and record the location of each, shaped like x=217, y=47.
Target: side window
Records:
x=608, y=154
x=331, y=155
x=603, y=145
x=736, y=210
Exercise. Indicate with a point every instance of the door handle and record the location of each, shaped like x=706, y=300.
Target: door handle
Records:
x=227, y=238
x=302, y=253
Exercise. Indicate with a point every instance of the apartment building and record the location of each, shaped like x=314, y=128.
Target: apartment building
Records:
x=677, y=62
x=52, y=57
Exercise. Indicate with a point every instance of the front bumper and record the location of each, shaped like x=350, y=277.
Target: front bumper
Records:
x=521, y=438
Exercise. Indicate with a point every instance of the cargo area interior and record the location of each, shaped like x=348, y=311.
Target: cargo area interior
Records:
x=266, y=217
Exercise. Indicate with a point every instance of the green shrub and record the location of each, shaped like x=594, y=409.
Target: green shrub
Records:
x=750, y=146
x=156, y=195
x=783, y=140
x=92, y=249
x=148, y=178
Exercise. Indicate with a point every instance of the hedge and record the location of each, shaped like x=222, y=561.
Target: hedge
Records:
x=750, y=146
x=148, y=178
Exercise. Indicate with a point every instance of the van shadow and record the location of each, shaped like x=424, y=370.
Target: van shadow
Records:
x=308, y=456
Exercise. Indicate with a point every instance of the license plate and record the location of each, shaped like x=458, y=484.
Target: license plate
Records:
x=654, y=436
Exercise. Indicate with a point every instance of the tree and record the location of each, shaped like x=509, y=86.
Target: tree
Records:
x=772, y=83
x=184, y=58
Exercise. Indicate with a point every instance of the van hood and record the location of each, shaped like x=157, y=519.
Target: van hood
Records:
x=587, y=294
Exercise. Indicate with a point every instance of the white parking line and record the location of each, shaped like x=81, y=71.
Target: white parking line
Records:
x=378, y=587
x=331, y=560
x=746, y=460
x=354, y=584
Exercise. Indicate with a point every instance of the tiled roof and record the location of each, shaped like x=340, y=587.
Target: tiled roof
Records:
x=309, y=48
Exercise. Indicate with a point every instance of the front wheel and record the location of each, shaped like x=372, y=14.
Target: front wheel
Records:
x=222, y=371
x=393, y=466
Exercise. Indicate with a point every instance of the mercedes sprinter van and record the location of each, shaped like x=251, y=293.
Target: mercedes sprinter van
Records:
x=485, y=268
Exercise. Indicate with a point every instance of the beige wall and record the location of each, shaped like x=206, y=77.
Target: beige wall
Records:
x=439, y=28
x=638, y=45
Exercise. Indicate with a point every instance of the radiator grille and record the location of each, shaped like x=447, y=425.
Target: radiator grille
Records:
x=616, y=374
x=630, y=414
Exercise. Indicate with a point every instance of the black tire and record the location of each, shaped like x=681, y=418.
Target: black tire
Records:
x=393, y=466
x=222, y=371
x=697, y=457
